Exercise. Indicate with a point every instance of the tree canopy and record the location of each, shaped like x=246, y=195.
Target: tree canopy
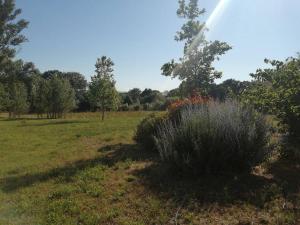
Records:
x=276, y=91
x=10, y=31
x=195, y=69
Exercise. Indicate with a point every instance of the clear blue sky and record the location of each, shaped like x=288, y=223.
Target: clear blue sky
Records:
x=138, y=35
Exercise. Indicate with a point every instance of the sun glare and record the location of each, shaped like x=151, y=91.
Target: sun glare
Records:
x=217, y=13
x=212, y=20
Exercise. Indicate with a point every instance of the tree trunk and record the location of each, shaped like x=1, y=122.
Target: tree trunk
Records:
x=103, y=111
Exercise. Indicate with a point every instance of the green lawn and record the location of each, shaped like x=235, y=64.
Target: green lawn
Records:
x=80, y=170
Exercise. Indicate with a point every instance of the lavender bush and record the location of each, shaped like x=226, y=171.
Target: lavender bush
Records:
x=214, y=137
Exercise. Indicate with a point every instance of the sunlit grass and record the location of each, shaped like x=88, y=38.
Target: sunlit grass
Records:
x=80, y=170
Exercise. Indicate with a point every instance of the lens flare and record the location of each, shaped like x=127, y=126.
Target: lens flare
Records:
x=211, y=21
x=217, y=13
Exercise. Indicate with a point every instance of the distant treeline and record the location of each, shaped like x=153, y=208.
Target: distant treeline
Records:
x=24, y=89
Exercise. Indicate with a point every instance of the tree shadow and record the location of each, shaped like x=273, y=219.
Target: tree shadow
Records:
x=177, y=186
x=281, y=178
x=5, y=119
x=60, y=122
x=117, y=153
x=122, y=152
x=173, y=185
x=287, y=172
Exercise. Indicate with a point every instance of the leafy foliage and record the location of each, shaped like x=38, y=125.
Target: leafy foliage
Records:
x=54, y=96
x=195, y=68
x=102, y=92
x=230, y=88
x=277, y=91
x=60, y=96
x=214, y=137
x=2, y=97
x=39, y=94
x=148, y=99
x=134, y=95
x=147, y=129
x=16, y=99
x=78, y=83
x=11, y=28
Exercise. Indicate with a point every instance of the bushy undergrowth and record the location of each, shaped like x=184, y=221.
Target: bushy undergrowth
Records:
x=147, y=129
x=214, y=137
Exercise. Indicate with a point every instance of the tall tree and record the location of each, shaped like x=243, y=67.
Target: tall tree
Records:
x=2, y=97
x=195, y=68
x=60, y=97
x=16, y=78
x=229, y=89
x=39, y=95
x=151, y=96
x=102, y=91
x=51, y=73
x=16, y=100
x=135, y=95
x=79, y=84
x=23, y=72
x=10, y=31
x=54, y=96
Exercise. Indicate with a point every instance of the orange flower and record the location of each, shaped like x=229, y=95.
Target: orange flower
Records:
x=195, y=100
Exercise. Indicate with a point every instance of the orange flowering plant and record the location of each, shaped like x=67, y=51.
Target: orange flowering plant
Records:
x=196, y=100
x=175, y=107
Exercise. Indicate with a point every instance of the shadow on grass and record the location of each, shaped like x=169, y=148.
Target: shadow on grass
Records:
x=54, y=122
x=46, y=123
x=281, y=180
x=5, y=119
x=172, y=185
x=287, y=172
x=117, y=153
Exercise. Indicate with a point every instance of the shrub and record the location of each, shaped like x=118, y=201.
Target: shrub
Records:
x=276, y=90
x=214, y=137
x=147, y=129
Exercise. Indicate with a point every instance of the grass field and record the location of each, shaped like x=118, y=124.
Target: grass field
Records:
x=80, y=170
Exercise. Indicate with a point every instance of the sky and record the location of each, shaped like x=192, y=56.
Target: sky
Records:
x=69, y=35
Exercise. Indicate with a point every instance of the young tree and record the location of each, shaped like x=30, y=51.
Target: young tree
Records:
x=16, y=100
x=39, y=95
x=102, y=91
x=195, y=68
x=60, y=97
